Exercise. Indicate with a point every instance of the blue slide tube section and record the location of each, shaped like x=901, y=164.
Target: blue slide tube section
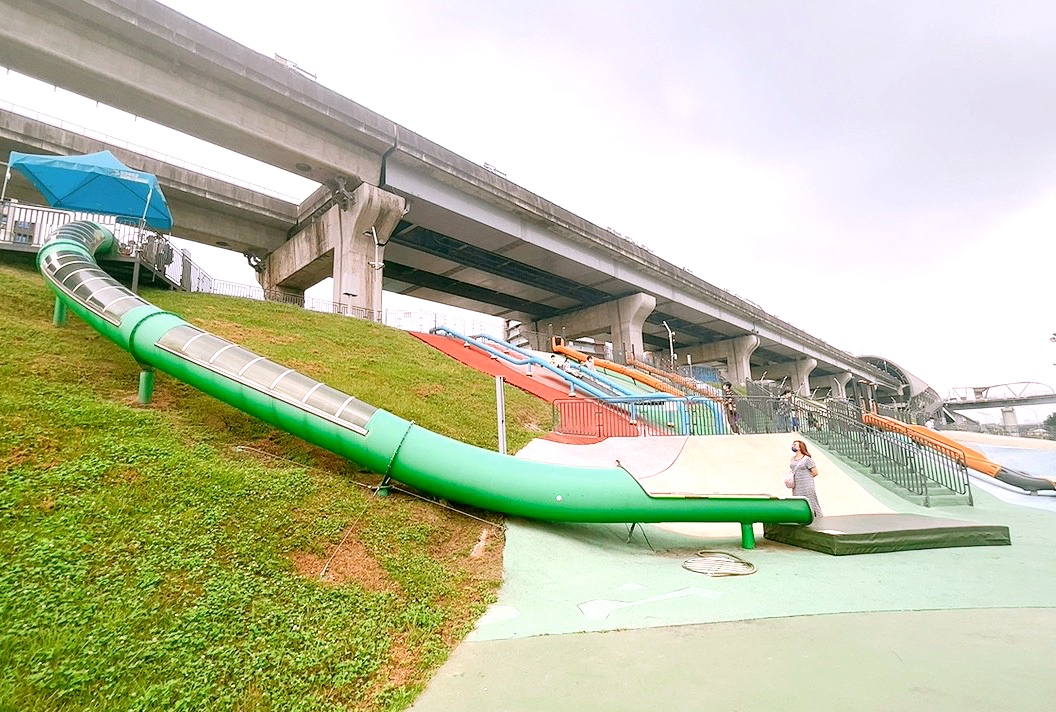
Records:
x=586, y=374
x=525, y=360
x=628, y=401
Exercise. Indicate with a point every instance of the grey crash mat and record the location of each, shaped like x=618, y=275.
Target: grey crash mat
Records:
x=876, y=533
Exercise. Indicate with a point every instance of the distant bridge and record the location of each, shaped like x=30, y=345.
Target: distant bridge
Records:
x=1004, y=395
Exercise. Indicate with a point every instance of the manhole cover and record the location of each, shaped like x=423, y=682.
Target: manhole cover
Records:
x=718, y=563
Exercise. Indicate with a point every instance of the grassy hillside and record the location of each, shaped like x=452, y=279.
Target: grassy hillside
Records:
x=169, y=556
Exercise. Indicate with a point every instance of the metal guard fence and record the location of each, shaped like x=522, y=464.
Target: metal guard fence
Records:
x=27, y=226
x=922, y=470
x=246, y=291
x=634, y=417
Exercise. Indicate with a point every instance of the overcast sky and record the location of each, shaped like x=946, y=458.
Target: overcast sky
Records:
x=880, y=174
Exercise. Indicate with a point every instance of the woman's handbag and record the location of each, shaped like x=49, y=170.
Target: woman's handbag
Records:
x=790, y=479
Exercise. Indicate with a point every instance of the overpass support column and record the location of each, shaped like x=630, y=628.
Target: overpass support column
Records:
x=347, y=243
x=736, y=352
x=839, y=384
x=621, y=320
x=801, y=375
x=629, y=317
x=865, y=394
x=365, y=226
x=797, y=372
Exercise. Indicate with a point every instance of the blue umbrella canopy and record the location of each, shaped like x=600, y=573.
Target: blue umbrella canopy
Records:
x=96, y=183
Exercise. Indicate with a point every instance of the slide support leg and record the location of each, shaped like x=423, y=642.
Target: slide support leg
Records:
x=747, y=535
x=146, y=385
x=59, y=316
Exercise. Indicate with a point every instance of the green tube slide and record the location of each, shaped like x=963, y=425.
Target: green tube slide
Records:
x=373, y=438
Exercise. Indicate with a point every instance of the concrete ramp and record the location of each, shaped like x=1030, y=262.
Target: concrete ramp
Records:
x=712, y=464
x=644, y=457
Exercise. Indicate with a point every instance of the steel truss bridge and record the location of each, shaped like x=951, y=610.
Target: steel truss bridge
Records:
x=1003, y=395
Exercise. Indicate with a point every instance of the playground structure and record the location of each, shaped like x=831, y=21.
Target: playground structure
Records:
x=971, y=457
x=593, y=384
x=373, y=438
x=687, y=383
x=558, y=346
x=628, y=411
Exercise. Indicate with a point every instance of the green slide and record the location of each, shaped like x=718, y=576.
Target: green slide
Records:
x=373, y=438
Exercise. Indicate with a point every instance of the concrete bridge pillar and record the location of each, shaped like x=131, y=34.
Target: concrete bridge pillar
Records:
x=619, y=321
x=866, y=394
x=839, y=384
x=801, y=375
x=797, y=373
x=822, y=385
x=736, y=352
x=346, y=243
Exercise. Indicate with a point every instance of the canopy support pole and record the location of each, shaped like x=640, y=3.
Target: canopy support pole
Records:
x=139, y=242
x=7, y=177
x=3, y=197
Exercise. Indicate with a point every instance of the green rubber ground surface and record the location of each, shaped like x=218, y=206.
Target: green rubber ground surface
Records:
x=934, y=661
x=958, y=629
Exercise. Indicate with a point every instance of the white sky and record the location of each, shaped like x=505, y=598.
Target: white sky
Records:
x=881, y=175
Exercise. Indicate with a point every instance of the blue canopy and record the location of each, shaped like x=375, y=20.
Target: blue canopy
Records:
x=95, y=183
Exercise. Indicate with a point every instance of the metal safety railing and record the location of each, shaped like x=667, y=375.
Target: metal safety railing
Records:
x=837, y=425
x=248, y=291
x=29, y=225
x=922, y=470
x=423, y=320
x=25, y=227
x=761, y=414
x=896, y=413
x=1040, y=431
x=637, y=416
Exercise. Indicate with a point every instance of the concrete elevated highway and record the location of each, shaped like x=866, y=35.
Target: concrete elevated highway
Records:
x=208, y=210
x=443, y=228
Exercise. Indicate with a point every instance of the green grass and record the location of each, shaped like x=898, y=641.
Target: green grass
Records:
x=146, y=562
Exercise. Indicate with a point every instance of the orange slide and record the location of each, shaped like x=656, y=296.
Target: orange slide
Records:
x=687, y=382
x=951, y=448
x=557, y=345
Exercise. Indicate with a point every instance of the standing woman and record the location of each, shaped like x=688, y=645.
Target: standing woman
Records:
x=803, y=472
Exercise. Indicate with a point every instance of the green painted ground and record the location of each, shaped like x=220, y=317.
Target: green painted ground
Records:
x=551, y=569
x=941, y=630
x=913, y=661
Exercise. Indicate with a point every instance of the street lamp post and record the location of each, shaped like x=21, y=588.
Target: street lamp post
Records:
x=670, y=343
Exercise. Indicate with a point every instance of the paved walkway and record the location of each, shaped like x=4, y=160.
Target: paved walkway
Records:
x=965, y=629
x=938, y=661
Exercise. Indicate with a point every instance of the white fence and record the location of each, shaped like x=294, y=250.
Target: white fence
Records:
x=27, y=226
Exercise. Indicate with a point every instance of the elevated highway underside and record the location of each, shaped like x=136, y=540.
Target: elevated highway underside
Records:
x=494, y=274
x=204, y=209
x=469, y=237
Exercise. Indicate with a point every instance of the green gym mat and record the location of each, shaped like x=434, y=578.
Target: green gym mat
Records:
x=878, y=533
